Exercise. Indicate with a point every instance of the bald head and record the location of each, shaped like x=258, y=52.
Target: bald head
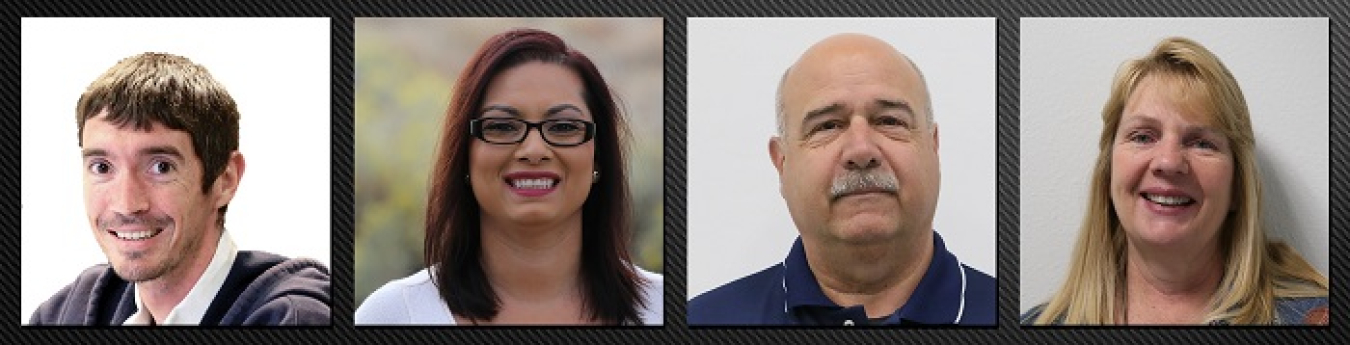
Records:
x=845, y=58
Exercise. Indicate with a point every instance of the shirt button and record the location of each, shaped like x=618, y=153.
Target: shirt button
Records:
x=848, y=322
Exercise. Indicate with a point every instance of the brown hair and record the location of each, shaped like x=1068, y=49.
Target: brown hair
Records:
x=452, y=247
x=170, y=90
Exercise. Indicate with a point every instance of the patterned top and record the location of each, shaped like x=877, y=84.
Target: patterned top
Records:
x=1301, y=311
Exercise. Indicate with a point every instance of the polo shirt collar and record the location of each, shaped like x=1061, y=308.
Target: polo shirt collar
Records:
x=193, y=307
x=938, y=299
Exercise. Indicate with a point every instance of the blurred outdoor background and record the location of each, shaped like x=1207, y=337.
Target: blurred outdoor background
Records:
x=405, y=68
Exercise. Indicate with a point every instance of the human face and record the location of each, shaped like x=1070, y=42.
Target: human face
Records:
x=854, y=109
x=1171, y=169
x=143, y=197
x=532, y=183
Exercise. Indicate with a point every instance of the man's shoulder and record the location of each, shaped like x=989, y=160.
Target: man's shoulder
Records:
x=73, y=303
x=279, y=291
x=742, y=301
x=981, y=297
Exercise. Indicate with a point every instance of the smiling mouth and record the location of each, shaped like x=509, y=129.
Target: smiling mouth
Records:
x=1168, y=200
x=533, y=183
x=139, y=235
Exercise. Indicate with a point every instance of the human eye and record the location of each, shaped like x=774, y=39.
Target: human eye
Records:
x=1207, y=143
x=161, y=167
x=99, y=167
x=890, y=121
x=825, y=126
x=500, y=126
x=565, y=127
x=1141, y=137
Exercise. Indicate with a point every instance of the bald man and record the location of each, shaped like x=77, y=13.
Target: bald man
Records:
x=857, y=160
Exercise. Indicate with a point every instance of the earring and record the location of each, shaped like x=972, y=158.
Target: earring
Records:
x=466, y=178
x=595, y=176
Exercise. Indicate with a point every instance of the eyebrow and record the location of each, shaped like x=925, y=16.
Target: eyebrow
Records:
x=836, y=107
x=822, y=111
x=1137, y=119
x=502, y=108
x=153, y=150
x=554, y=110
x=894, y=104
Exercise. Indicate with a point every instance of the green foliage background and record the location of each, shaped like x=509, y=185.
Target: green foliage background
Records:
x=405, y=68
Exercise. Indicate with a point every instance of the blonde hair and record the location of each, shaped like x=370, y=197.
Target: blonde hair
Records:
x=1256, y=271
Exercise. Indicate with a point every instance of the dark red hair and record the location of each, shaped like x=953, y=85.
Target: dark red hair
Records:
x=452, y=249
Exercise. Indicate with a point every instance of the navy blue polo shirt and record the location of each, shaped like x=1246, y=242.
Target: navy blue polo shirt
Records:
x=787, y=294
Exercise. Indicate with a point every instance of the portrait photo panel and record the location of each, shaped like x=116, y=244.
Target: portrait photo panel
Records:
x=275, y=69
x=738, y=220
x=1281, y=66
x=406, y=74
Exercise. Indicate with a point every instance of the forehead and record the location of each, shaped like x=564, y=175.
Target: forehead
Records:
x=840, y=75
x=1159, y=94
x=535, y=82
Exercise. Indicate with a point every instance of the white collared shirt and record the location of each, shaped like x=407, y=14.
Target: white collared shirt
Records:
x=190, y=310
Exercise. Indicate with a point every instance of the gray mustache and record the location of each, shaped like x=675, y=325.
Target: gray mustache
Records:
x=861, y=181
x=118, y=220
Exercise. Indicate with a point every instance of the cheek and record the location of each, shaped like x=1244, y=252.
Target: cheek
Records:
x=582, y=162
x=1220, y=180
x=1120, y=173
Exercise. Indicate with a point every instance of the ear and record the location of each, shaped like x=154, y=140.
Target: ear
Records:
x=776, y=153
x=935, y=137
x=228, y=182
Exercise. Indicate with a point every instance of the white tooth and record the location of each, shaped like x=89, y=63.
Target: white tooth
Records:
x=135, y=235
x=538, y=183
x=1168, y=200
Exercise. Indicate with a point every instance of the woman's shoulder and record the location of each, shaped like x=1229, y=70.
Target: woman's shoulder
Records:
x=653, y=286
x=1029, y=317
x=408, y=300
x=1301, y=311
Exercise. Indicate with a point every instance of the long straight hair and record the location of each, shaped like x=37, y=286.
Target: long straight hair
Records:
x=453, y=249
x=1256, y=271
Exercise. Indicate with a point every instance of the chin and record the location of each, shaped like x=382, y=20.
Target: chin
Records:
x=1161, y=236
x=535, y=215
x=866, y=232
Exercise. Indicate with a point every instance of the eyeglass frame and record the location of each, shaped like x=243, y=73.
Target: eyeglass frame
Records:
x=476, y=130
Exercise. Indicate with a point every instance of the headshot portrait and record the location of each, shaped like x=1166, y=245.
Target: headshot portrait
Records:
x=136, y=145
x=1174, y=171
x=841, y=172
x=509, y=171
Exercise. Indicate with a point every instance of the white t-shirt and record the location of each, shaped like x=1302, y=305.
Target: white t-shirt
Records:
x=414, y=300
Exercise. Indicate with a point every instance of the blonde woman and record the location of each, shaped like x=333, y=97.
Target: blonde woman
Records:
x=1173, y=233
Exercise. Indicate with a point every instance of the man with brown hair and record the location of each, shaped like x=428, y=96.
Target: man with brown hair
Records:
x=159, y=139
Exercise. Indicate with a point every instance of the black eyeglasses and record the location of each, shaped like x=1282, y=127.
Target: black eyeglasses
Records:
x=556, y=132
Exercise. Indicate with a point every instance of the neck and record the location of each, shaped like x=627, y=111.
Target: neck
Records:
x=1171, y=286
x=533, y=265
x=160, y=295
x=879, y=275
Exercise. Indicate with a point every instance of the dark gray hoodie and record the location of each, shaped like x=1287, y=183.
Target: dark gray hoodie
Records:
x=261, y=289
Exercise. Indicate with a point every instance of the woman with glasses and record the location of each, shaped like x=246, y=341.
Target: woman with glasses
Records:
x=528, y=213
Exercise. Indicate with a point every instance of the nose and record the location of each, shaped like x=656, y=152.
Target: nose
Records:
x=534, y=150
x=127, y=196
x=1170, y=159
x=859, y=151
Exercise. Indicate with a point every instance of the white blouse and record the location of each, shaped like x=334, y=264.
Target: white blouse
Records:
x=414, y=300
